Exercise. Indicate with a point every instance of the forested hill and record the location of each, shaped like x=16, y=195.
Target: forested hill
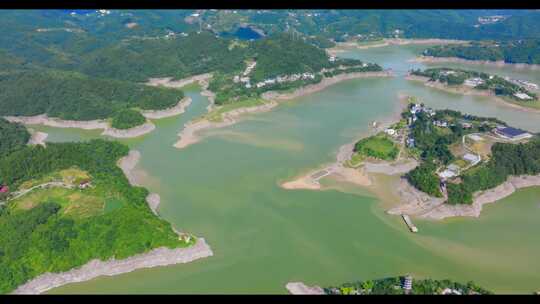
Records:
x=284, y=55
x=75, y=96
x=518, y=51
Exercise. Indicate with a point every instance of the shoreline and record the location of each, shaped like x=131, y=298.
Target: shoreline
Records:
x=178, y=109
x=188, y=134
x=424, y=206
x=161, y=256
x=299, y=288
x=38, y=138
x=359, y=175
x=392, y=41
x=323, y=84
x=500, y=63
x=470, y=92
x=169, y=83
x=98, y=124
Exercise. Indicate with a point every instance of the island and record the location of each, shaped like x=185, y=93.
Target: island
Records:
x=69, y=214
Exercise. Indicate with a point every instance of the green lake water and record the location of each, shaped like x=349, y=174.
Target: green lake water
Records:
x=225, y=189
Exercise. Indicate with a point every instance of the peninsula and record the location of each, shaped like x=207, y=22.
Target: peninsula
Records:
x=73, y=212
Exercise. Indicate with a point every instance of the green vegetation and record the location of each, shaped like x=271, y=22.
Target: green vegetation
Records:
x=378, y=146
x=56, y=229
x=13, y=135
x=432, y=141
x=494, y=83
x=126, y=119
x=506, y=160
x=518, y=51
x=394, y=286
x=424, y=179
x=75, y=96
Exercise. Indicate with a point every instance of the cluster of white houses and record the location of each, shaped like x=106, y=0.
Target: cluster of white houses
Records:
x=245, y=79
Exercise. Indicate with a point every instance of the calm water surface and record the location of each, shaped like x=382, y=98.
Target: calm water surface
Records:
x=225, y=189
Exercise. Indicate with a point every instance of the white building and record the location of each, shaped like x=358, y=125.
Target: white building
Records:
x=473, y=159
x=473, y=82
x=390, y=132
x=522, y=96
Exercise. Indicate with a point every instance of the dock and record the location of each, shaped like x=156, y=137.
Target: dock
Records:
x=409, y=223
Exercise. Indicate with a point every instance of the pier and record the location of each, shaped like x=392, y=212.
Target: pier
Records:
x=409, y=223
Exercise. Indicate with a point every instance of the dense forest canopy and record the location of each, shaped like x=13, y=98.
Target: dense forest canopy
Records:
x=126, y=119
x=517, y=51
x=75, y=96
x=13, y=135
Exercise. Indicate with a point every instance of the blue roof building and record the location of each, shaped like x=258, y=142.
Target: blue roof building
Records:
x=512, y=133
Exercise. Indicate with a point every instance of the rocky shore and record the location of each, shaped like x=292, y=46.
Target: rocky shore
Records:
x=161, y=256
x=178, y=109
x=299, y=288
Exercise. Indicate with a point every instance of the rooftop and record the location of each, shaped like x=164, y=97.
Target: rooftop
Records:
x=511, y=132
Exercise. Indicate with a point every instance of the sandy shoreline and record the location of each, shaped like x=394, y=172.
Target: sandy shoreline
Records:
x=299, y=288
x=97, y=124
x=431, y=59
x=178, y=109
x=161, y=256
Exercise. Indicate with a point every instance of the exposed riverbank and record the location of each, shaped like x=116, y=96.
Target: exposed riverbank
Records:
x=38, y=138
x=417, y=203
x=170, y=83
x=390, y=41
x=161, y=256
x=464, y=90
x=299, y=288
x=360, y=175
x=98, y=124
x=178, y=109
x=499, y=64
x=188, y=135
x=323, y=84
